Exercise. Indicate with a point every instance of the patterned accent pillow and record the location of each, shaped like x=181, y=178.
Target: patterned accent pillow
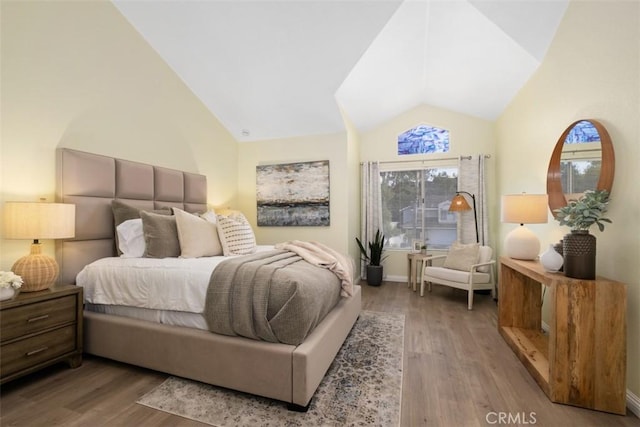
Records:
x=236, y=235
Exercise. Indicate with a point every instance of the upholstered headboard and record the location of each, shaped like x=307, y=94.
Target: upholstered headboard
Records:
x=92, y=181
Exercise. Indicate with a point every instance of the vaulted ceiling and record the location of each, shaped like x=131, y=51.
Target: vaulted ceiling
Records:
x=273, y=69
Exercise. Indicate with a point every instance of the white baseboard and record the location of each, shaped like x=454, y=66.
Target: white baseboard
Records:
x=545, y=327
x=633, y=403
x=393, y=278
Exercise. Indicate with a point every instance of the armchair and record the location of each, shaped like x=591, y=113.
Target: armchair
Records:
x=469, y=276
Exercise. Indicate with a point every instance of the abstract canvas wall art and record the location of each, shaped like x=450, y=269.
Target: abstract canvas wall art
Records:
x=293, y=194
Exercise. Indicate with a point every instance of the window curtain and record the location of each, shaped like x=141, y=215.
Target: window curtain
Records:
x=370, y=207
x=471, y=179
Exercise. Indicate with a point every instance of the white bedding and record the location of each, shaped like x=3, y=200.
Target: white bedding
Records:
x=165, y=317
x=175, y=284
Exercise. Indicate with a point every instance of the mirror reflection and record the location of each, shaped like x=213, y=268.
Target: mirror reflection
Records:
x=581, y=160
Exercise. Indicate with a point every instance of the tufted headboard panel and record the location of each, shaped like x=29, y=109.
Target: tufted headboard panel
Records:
x=92, y=181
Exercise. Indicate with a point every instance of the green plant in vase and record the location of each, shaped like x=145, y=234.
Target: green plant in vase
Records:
x=579, y=247
x=373, y=257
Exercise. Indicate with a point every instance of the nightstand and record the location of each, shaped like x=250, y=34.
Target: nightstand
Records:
x=38, y=329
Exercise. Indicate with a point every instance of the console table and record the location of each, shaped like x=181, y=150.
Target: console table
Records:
x=581, y=361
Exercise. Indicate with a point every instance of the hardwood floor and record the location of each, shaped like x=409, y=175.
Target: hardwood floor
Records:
x=458, y=371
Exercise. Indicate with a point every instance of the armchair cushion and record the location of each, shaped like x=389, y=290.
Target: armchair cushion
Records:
x=462, y=257
x=484, y=256
x=432, y=274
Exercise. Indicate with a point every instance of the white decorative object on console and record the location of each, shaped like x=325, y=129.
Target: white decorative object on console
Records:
x=551, y=260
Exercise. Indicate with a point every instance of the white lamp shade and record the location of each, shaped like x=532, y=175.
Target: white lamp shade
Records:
x=521, y=209
x=525, y=208
x=34, y=220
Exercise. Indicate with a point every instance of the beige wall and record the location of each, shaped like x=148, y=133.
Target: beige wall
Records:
x=353, y=206
x=76, y=74
x=591, y=71
x=468, y=135
x=323, y=147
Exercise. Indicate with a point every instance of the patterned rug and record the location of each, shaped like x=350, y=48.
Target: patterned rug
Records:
x=363, y=386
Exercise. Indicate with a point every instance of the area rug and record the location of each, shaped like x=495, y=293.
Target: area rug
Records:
x=363, y=386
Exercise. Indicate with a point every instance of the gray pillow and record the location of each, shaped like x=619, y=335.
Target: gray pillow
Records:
x=123, y=212
x=160, y=235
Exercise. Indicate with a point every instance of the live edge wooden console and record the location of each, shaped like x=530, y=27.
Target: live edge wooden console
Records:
x=581, y=361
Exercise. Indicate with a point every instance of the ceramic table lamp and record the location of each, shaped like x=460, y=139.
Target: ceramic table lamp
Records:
x=523, y=209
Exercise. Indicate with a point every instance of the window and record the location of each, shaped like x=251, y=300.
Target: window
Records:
x=415, y=206
x=423, y=139
x=579, y=175
x=581, y=159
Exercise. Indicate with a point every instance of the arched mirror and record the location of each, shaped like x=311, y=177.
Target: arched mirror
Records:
x=582, y=160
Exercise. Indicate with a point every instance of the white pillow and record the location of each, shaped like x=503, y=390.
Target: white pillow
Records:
x=462, y=257
x=131, y=238
x=210, y=216
x=484, y=256
x=197, y=236
x=236, y=235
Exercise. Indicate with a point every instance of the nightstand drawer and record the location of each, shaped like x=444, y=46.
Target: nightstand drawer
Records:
x=27, y=319
x=40, y=348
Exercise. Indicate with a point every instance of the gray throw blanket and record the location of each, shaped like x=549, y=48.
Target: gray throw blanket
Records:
x=273, y=296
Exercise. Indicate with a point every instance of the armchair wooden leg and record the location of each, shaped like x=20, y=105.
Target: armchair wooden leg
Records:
x=470, y=300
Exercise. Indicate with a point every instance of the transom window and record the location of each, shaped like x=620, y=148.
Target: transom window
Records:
x=423, y=139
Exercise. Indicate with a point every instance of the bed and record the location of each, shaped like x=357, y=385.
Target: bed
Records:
x=289, y=373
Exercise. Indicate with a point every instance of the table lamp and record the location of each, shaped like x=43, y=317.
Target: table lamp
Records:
x=460, y=204
x=523, y=209
x=36, y=220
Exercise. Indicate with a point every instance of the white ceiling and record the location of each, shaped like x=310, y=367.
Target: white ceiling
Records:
x=273, y=69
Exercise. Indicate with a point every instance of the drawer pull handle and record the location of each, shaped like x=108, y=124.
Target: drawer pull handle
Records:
x=40, y=350
x=35, y=319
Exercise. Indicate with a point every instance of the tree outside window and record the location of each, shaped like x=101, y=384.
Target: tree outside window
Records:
x=415, y=206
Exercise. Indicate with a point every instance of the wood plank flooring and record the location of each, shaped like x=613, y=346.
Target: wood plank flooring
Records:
x=458, y=371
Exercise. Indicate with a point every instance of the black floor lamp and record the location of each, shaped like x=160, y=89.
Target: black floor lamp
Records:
x=460, y=204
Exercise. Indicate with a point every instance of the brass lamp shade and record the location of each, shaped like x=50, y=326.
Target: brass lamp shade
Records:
x=459, y=204
x=34, y=221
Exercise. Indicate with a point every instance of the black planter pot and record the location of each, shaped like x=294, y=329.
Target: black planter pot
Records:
x=579, y=251
x=374, y=275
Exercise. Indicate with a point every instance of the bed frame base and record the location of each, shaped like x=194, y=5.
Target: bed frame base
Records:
x=297, y=408
x=278, y=371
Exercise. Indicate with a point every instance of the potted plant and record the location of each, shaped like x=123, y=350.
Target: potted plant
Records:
x=579, y=247
x=373, y=258
x=10, y=283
